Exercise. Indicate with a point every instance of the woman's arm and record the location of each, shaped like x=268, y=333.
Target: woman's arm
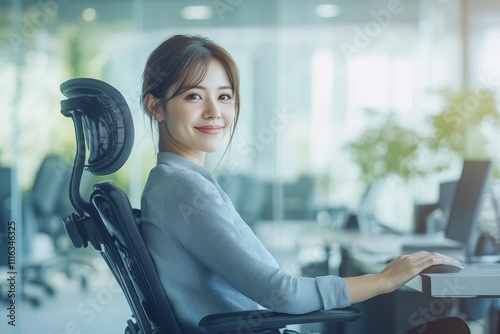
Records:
x=393, y=276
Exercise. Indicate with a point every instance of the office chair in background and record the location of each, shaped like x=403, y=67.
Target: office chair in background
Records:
x=104, y=127
x=40, y=209
x=44, y=205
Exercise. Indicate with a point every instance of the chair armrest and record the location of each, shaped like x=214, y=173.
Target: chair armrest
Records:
x=241, y=322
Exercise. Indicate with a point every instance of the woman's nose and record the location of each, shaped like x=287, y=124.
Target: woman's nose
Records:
x=212, y=110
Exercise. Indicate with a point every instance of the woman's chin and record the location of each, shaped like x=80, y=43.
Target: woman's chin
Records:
x=210, y=148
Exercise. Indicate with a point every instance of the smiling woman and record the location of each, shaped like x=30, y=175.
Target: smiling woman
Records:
x=194, y=84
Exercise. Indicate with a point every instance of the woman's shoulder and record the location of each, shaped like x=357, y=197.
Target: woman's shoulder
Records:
x=183, y=189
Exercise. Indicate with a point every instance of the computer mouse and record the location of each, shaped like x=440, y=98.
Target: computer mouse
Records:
x=442, y=268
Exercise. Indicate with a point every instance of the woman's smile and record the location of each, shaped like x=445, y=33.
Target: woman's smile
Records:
x=209, y=129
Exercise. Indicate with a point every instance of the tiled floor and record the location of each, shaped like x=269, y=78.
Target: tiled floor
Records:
x=102, y=308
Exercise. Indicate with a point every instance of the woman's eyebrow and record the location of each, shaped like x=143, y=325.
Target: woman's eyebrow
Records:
x=204, y=88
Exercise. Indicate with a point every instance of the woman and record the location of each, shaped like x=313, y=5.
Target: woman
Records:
x=208, y=259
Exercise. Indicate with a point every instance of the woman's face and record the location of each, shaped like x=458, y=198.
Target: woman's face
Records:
x=197, y=120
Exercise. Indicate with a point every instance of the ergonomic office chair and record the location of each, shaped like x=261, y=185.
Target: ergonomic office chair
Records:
x=104, y=126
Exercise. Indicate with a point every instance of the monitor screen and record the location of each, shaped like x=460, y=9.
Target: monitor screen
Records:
x=467, y=200
x=446, y=197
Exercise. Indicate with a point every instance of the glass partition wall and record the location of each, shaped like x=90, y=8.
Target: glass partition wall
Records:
x=317, y=78
x=315, y=75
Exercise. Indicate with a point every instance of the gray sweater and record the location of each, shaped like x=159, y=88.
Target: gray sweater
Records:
x=209, y=260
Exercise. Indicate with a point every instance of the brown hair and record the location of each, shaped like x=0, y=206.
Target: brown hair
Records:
x=181, y=61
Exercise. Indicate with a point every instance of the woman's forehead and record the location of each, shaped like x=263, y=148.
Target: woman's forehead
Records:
x=196, y=74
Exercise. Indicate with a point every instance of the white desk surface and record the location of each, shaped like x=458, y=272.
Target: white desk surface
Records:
x=475, y=280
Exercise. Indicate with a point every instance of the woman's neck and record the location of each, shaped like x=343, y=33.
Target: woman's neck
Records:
x=198, y=158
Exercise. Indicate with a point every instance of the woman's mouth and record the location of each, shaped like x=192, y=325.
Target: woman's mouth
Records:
x=209, y=129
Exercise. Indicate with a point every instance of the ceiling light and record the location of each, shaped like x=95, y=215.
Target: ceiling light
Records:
x=196, y=12
x=89, y=14
x=327, y=10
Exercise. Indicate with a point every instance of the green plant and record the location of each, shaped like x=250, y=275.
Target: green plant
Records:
x=387, y=149
x=462, y=126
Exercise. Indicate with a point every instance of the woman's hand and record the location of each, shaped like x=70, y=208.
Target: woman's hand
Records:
x=405, y=267
x=393, y=276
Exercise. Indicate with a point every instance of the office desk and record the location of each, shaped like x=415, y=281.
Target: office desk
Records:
x=475, y=280
x=427, y=296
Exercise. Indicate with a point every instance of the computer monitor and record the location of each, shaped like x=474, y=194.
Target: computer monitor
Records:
x=446, y=196
x=462, y=219
x=432, y=218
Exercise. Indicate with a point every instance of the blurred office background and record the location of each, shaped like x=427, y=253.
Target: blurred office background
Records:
x=337, y=96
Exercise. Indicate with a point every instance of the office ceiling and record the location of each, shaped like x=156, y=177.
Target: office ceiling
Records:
x=161, y=13
x=156, y=14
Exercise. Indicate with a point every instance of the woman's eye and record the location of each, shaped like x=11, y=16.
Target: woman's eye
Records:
x=225, y=97
x=194, y=97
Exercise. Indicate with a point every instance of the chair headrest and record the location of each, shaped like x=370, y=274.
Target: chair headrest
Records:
x=107, y=122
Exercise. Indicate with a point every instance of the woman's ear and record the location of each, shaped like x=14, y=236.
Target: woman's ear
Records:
x=153, y=106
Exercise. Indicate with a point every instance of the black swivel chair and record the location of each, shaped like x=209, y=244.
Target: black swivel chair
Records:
x=40, y=211
x=104, y=127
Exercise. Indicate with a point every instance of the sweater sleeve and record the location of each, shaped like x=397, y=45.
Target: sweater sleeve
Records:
x=194, y=211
